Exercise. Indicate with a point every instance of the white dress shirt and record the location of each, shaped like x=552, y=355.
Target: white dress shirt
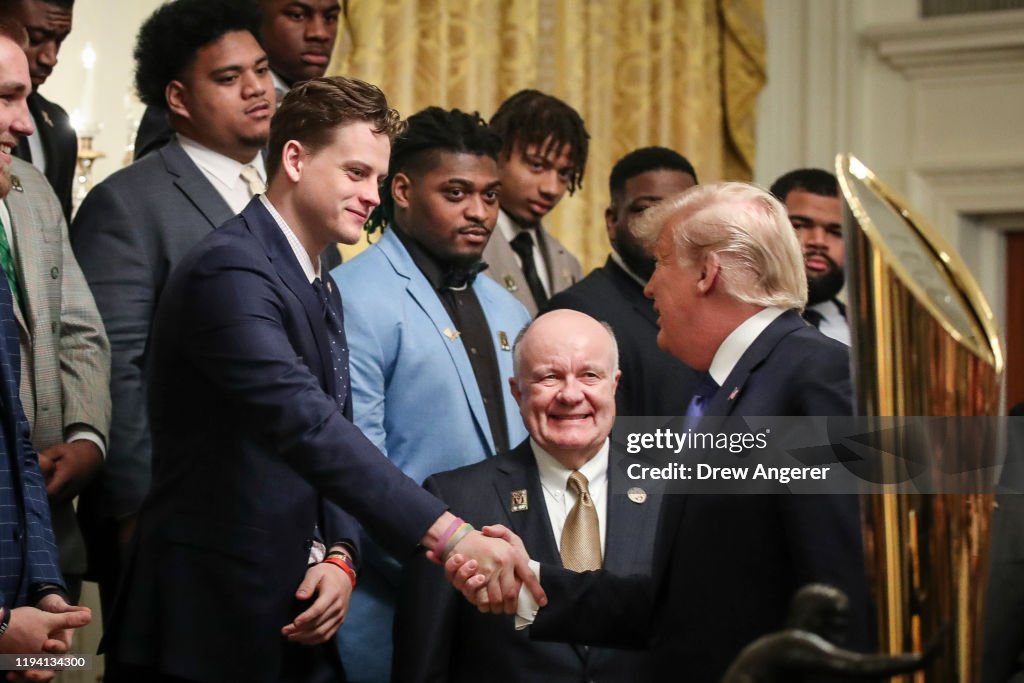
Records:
x=554, y=481
x=738, y=341
x=833, y=322
x=224, y=173
x=310, y=267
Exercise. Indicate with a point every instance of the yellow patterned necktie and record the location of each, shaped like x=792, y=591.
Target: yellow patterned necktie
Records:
x=7, y=263
x=581, y=538
x=252, y=179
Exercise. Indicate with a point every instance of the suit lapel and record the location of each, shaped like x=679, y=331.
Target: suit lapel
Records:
x=266, y=230
x=531, y=524
x=44, y=122
x=426, y=298
x=191, y=181
x=724, y=400
x=26, y=256
x=630, y=525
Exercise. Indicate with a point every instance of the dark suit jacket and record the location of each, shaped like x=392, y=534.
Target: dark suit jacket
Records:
x=441, y=637
x=28, y=554
x=653, y=382
x=248, y=445
x=60, y=146
x=726, y=566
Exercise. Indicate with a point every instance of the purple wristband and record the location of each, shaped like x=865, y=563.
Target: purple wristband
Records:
x=452, y=528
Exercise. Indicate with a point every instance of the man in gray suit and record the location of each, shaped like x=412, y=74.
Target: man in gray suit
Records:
x=566, y=371
x=543, y=154
x=201, y=59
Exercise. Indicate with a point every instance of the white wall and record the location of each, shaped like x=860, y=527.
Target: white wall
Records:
x=933, y=106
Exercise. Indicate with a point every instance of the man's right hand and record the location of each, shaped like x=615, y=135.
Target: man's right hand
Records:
x=34, y=631
x=470, y=577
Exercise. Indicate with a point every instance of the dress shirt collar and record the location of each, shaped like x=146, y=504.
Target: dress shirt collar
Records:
x=626, y=269
x=509, y=228
x=311, y=267
x=280, y=87
x=225, y=169
x=738, y=341
x=833, y=322
x=555, y=477
x=440, y=275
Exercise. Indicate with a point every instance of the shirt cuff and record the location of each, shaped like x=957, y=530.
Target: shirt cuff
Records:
x=83, y=433
x=526, y=608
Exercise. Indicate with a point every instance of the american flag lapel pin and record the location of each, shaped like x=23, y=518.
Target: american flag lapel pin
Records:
x=734, y=393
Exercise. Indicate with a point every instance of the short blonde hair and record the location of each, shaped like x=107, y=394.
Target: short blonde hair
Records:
x=747, y=228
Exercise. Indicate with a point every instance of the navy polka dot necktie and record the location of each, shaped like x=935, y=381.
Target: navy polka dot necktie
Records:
x=336, y=338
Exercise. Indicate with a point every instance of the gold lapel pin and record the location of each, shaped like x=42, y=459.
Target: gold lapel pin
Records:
x=519, y=501
x=451, y=334
x=503, y=340
x=637, y=495
x=510, y=284
x=46, y=117
x=16, y=184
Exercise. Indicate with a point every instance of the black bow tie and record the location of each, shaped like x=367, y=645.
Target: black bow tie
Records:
x=460, y=278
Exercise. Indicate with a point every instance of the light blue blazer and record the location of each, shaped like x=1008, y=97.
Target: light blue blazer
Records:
x=415, y=396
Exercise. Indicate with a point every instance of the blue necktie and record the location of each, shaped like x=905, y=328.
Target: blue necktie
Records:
x=336, y=337
x=699, y=402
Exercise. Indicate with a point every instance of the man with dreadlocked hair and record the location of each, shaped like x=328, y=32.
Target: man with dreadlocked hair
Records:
x=543, y=155
x=429, y=341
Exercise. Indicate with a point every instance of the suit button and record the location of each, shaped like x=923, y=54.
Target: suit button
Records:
x=16, y=534
x=55, y=272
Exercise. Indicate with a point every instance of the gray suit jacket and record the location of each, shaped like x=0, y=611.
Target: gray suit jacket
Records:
x=65, y=356
x=503, y=265
x=129, y=234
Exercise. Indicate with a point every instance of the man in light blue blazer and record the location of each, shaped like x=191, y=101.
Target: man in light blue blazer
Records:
x=430, y=343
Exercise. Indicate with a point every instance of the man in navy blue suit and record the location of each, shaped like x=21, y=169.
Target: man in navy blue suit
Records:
x=728, y=288
x=253, y=444
x=34, y=614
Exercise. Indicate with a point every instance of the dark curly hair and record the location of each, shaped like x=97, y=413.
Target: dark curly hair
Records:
x=531, y=117
x=429, y=133
x=171, y=36
x=643, y=160
x=813, y=180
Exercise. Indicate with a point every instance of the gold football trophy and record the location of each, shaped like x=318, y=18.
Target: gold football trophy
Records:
x=925, y=343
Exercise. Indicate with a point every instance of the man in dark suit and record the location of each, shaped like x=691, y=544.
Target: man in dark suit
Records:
x=34, y=614
x=811, y=197
x=201, y=59
x=728, y=288
x=53, y=148
x=653, y=382
x=566, y=369
x=254, y=447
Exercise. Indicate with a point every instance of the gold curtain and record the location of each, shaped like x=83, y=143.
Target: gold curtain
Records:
x=684, y=74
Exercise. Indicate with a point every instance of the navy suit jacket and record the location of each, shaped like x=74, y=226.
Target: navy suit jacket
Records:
x=441, y=637
x=726, y=566
x=248, y=445
x=28, y=554
x=653, y=381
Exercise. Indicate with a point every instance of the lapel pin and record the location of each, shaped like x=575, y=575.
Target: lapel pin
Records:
x=510, y=284
x=503, y=340
x=519, y=502
x=734, y=393
x=16, y=183
x=637, y=495
x=330, y=287
x=46, y=117
x=451, y=334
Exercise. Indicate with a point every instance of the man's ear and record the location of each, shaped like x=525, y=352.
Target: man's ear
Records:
x=293, y=159
x=709, y=274
x=176, y=96
x=609, y=223
x=514, y=386
x=400, y=185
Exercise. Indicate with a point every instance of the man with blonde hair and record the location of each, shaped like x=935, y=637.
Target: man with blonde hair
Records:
x=728, y=286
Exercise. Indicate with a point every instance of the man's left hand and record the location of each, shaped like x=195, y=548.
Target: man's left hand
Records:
x=320, y=622
x=73, y=466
